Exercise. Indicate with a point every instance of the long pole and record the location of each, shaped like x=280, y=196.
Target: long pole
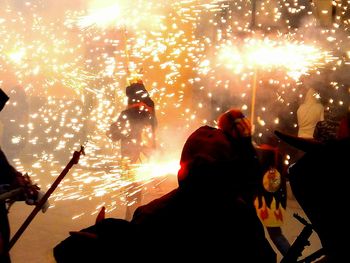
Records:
x=127, y=56
x=253, y=18
x=254, y=88
x=40, y=204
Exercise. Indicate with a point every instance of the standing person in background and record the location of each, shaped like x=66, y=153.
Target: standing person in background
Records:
x=309, y=113
x=344, y=127
x=135, y=128
x=327, y=129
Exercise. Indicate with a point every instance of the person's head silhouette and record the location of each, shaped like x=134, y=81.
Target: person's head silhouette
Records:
x=3, y=99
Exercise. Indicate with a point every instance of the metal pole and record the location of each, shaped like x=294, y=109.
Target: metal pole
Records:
x=253, y=3
x=40, y=204
x=254, y=88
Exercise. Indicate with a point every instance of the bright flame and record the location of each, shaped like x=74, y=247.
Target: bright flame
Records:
x=17, y=56
x=296, y=58
x=157, y=169
x=101, y=17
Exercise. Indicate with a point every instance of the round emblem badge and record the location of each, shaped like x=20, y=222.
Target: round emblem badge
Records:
x=272, y=180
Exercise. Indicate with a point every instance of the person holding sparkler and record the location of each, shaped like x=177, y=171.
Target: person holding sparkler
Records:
x=136, y=125
x=13, y=187
x=135, y=129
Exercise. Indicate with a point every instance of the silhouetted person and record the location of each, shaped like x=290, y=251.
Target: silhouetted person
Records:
x=320, y=181
x=239, y=129
x=136, y=125
x=135, y=129
x=344, y=127
x=327, y=129
x=13, y=187
x=210, y=216
x=8, y=179
x=272, y=185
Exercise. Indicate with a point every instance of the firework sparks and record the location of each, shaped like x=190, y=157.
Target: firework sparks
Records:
x=296, y=59
x=74, y=68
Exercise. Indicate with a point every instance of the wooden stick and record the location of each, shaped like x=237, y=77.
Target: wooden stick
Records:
x=40, y=204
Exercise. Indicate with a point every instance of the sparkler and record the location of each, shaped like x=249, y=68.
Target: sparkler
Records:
x=101, y=17
x=296, y=59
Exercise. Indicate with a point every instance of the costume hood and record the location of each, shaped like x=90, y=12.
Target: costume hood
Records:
x=205, y=148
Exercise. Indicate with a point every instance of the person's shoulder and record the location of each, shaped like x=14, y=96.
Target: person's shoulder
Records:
x=128, y=111
x=121, y=115
x=301, y=107
x=320, y=105
x=155, y=206
x=323, y=123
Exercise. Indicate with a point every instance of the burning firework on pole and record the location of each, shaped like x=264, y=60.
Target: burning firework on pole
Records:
x=296, y=59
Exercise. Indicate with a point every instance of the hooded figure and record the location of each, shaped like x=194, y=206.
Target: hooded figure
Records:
x=135, y=128
x=208, y=217
x=309, y=114
x=238, y=129
x=136, y=125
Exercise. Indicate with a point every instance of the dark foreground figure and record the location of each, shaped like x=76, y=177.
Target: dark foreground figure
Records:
x=14, y=186
x=208, y=218
x=320, y=183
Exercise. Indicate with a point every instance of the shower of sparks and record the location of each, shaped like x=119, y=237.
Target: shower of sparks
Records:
x=103, y=17
x=296, y=59
x=74, y=59
x=107, y=14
